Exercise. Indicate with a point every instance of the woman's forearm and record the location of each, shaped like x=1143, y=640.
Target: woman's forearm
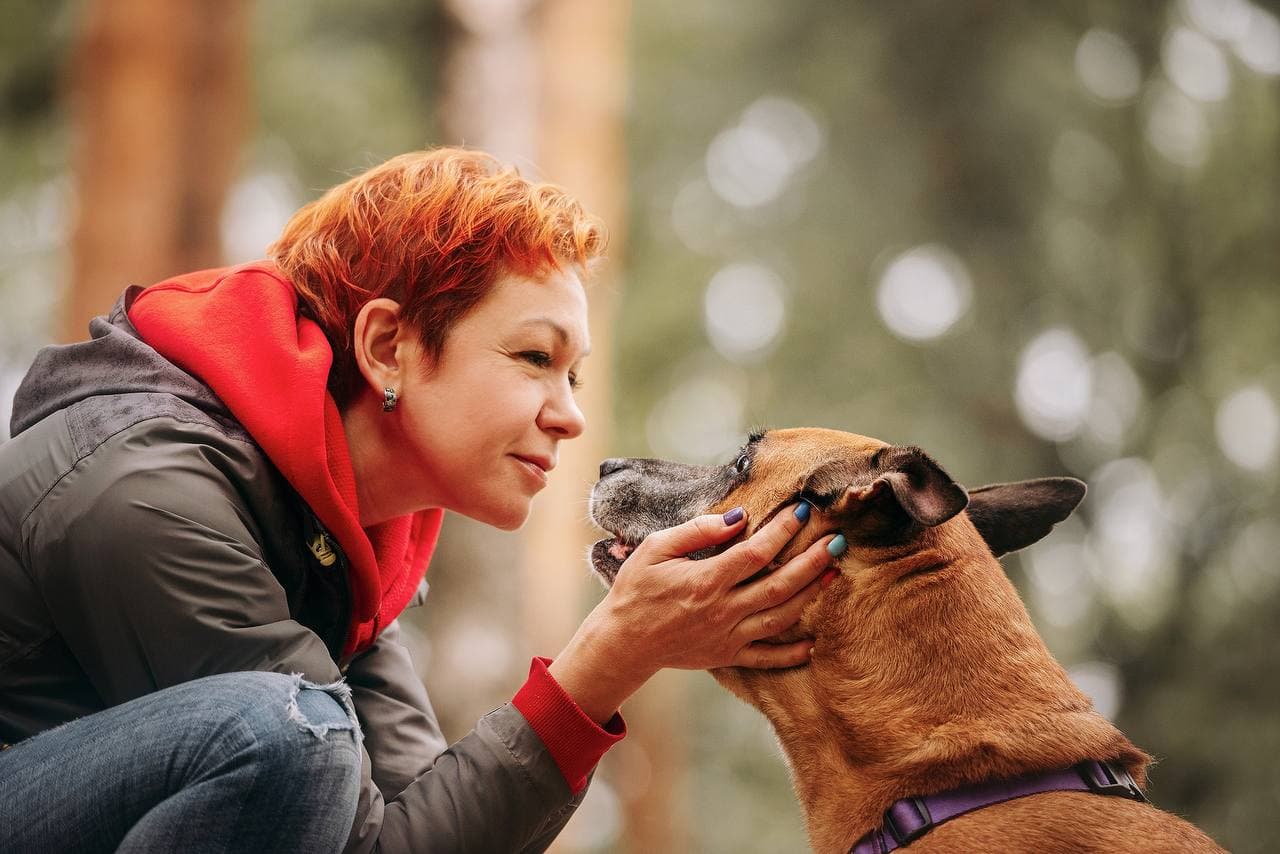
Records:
x=596, y=670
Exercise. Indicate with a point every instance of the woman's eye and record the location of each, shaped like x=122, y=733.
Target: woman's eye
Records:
x=743, y=463
x=544, y=360
x=536, y=357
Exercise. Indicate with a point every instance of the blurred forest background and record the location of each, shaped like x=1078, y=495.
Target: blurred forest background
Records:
x=1031, y=238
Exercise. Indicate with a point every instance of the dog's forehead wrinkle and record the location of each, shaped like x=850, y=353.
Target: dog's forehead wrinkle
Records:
x=832, y=476
x=824, y=441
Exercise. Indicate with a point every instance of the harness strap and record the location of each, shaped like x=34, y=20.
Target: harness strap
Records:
x=910, y=818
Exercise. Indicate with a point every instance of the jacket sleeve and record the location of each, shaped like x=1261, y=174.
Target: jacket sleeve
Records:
x=151, y=565
x=404, y=740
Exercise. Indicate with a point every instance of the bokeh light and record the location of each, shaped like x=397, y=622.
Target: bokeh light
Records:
x=1130, y=536
x=1061, y=571
x=923, y=292
x=1252, y=32
x=750, y=163
x=1248, y=428
x=1227, y=20
x=793, y=125
x=1100, y=681
x=1117, y=399
x=1108, y=67
x=744, y=311
x=1176, y=127
x=1196, y=65
x=698, y=217
x=255, y=214
x=1054, y=387
x=1259, y=45
x=37, y=219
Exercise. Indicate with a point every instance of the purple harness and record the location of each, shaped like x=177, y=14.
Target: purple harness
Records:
x=910, y=818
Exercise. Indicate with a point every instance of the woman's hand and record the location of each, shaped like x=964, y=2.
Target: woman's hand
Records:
x=665, y=610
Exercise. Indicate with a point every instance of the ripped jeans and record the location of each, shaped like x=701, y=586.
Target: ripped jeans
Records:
x=236, y=762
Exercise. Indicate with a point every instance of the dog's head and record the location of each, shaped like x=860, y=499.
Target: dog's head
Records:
x=898, y=509
x=880, y=496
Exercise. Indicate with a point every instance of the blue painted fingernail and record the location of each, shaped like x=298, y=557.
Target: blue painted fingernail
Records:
x=836, y=547
x=734, y=516
x=802, y=511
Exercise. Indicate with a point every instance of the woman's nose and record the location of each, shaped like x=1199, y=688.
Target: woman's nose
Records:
x=563, y=417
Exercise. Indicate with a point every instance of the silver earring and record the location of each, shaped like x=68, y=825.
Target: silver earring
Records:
x=388, y=399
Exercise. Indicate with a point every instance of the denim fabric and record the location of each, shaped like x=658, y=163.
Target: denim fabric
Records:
x=236, y=762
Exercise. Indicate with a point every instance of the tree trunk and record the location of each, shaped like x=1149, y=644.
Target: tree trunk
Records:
x=583, y=49
x=543, y=85
x=159, y=94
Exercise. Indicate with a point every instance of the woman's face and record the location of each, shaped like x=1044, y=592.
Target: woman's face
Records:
x=481, y=429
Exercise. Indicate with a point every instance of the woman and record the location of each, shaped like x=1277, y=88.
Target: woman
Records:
x=212, y=513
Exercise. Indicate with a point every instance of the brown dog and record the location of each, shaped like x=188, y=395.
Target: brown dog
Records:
x=927, y=675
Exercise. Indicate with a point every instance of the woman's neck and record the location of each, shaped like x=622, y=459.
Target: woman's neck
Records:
x=382, y=492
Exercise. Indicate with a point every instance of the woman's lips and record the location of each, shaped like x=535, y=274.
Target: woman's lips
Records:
x=536, y=472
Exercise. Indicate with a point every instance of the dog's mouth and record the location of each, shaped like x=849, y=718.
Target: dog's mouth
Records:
x=607, y=555
x=620, y=548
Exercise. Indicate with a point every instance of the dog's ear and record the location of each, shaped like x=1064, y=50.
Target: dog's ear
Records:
x=1012, y=516
x=906, y=486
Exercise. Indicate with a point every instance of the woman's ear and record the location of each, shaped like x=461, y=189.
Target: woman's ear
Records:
x=376, y=341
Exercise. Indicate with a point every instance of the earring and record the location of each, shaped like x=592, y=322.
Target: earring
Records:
x=388, y=399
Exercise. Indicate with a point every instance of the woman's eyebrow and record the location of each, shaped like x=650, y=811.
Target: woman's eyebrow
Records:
x=561, y=332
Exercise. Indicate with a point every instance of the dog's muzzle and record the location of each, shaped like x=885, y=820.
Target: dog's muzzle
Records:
x=635, y=497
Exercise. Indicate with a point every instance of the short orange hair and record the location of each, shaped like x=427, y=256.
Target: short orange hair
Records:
x=432, y=230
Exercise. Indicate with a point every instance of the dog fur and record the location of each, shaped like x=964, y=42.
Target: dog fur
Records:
x=927, y=673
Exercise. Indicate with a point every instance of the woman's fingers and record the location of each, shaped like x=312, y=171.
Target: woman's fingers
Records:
x=780, y=586
x=698, y=533
x=771, y=621
x=695, y=616
x=745, y=559
x=770, y=656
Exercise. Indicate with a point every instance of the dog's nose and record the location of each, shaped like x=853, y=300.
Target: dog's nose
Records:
x=609, y=466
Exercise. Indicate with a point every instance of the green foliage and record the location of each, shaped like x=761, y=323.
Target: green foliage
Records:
x=344, y=86
x=33, y=190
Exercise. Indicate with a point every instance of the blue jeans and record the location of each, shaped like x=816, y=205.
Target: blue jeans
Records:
x=238, y=762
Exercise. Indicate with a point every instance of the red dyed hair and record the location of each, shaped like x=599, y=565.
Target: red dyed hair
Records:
x=431, y=230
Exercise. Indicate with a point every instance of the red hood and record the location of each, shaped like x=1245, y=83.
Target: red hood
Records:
x=238, y=331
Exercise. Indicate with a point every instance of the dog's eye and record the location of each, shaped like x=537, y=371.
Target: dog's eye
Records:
x=742, y=464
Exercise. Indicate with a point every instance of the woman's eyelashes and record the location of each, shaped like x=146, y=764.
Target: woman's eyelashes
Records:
x=537, y=357
x=542, y=359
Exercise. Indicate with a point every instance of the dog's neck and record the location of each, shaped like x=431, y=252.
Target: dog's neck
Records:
x=936, y=683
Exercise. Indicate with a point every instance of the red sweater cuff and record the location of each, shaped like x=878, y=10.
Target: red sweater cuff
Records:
x=575, y=741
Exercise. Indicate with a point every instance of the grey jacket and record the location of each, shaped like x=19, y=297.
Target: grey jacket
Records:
x=145, y=541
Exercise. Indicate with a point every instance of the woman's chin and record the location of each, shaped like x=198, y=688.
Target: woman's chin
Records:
x=511, y=525
x=505, y=517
